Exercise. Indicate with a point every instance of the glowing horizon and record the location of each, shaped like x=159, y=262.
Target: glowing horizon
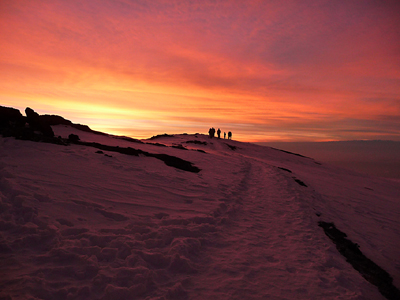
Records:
x=266, y=71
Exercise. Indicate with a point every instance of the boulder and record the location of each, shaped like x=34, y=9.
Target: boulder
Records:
x=31, y=114
x=73, y=137
x=37, y=123
x=10, y=117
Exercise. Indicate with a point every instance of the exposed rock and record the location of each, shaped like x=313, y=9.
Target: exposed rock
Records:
x=300, y=182
x=169, y=160
x=284, y=169
x=161, y=136
x=31, y=114
x=37, y=123
x=231, y=147
x=73, y=137
x=179, y=146
x=196, y=142
x=58, y=120
x=366, y=267
x=10, y=117
x=55, y=120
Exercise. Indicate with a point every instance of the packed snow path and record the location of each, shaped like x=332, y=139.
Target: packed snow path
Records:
x=271, y=249
x=78, y=224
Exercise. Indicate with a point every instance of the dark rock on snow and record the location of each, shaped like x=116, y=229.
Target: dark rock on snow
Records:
x=73, y=137
x=366, y=267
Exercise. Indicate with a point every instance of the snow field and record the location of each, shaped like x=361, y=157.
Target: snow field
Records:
x=80, y=225
x=76, y=224
x=273, y=250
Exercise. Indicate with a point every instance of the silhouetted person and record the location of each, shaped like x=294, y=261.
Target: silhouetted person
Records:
x=229, y=135
x=211, y=132
x=219, y=133
x=224, y=135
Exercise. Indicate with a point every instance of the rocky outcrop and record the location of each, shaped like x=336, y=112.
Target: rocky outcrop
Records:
x=33, y=127
x=10, y=117
x=58, y=120
x=73, y=137
x=37, y=123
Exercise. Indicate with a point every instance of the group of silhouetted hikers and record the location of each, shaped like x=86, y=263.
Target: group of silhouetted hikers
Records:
x=211, y=133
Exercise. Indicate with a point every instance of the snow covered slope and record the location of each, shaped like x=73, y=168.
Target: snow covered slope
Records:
x=79, y=222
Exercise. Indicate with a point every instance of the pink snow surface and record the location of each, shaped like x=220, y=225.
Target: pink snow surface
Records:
x=76, y=224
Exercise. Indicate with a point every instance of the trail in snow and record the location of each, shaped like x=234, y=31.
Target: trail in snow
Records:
x=272, y=248
x=76, y=224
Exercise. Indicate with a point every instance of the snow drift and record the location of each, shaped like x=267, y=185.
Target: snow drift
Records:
x=85, y=220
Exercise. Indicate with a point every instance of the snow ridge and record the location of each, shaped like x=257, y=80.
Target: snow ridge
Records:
x=79, y=224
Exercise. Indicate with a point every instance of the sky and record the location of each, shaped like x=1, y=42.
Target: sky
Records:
x=288, y=70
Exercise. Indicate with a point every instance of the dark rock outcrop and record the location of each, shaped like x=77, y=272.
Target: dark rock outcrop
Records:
x=31, y=114
x=10, y=117
x=284, y=169
x=55, y=120
x=37, y=123
x=12, y=123
x=43, y=124
x=366, y=267
x=300, y=182
x=169, y=160
x=231, y=147
x=58, y=120
x=196, y=142
x=161, y=136
x=34, y=127
x=179, y=146
x=73, y=137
